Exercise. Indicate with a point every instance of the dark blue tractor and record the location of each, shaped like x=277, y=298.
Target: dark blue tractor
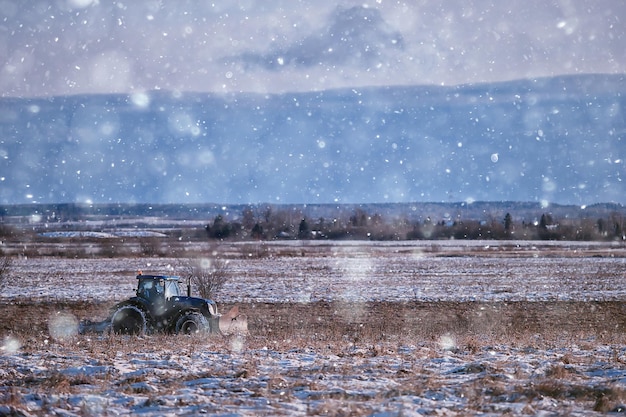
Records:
x=159, y=306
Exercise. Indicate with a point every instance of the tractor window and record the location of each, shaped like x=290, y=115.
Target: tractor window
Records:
x=145, y=287
x=171, y=289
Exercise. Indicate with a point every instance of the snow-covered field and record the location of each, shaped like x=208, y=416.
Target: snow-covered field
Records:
x=59, y=373
x=355, y=271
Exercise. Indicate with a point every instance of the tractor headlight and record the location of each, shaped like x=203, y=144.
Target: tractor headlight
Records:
x=212, y=309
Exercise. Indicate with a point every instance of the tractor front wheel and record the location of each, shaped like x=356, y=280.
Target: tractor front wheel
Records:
x=128, y=319
x=190, y=323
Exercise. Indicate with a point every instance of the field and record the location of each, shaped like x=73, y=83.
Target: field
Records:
x=341, y=329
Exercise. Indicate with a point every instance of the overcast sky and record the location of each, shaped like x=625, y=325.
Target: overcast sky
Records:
x=101, y=46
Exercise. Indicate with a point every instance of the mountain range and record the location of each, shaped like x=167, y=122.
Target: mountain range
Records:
x=550, y=140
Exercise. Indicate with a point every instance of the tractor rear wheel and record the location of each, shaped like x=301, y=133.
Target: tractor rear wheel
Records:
x=128, y=319
x=190, y=323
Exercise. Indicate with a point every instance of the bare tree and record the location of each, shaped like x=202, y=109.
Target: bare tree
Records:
x=207, y=275
x=5, y=266
x=151, y=246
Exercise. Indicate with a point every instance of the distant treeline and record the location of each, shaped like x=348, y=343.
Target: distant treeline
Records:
x=402, y=221
x=361, y=225
x=478, y=210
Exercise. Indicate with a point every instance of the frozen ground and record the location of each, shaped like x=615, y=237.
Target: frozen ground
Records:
x=59, y=373
x=102, y=377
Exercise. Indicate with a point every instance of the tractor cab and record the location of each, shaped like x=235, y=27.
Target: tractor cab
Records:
x=157, y=287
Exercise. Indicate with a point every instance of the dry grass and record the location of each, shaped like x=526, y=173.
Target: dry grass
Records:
x=470, y=325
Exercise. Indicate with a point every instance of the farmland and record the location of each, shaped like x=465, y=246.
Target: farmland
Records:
x=340, y=328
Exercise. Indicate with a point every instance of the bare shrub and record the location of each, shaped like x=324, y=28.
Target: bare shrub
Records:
x=6, y=230
x=559, y=372
x=110, y=249
x=609, y=399
x=207, y=275
x=151, y=247
x=5, y=266
x=255, y=251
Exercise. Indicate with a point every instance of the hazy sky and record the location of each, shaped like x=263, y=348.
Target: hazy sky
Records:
x=83, y=46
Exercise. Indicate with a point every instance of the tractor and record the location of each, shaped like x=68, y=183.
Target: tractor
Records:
x=159, y=306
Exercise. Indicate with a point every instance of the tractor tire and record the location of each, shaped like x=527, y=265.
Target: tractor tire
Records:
x=129, y=319
x=191, y=323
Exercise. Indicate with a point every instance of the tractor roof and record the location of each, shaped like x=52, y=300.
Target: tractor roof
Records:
x=159, y=277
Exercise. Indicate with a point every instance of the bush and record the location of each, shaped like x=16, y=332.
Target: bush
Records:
x=5, y=266
x=6, y=231
x=151, y=247
x=207, y=275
